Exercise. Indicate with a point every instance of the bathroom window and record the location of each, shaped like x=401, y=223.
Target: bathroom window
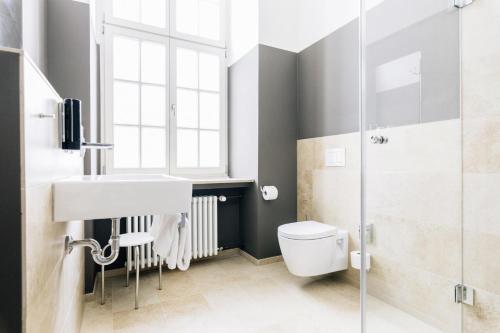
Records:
x=197, y=93
x=195, y=20
x=198, y=20
x=164, y=98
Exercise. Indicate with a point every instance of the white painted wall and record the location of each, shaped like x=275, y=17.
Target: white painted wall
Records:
x=291, y=25
x=319, y=18
x=294, y=25
x=243, y=32
x=278, y=24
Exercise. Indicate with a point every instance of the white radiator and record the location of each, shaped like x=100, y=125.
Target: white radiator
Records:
x=203, y=217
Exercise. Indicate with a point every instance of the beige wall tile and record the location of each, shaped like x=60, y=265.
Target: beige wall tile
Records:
x=481, y=141
x=53, y=291
x=484, y=316
x=481, y=51
x=414, y=203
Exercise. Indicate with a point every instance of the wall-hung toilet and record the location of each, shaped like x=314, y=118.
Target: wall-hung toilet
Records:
x=311, y=248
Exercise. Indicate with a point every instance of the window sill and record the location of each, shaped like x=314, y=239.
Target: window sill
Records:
x=215, y=183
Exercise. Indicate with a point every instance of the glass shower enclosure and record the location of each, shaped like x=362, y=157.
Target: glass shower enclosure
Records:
x=429, y=162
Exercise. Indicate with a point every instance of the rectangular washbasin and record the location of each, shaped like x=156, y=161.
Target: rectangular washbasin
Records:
x=113, y=196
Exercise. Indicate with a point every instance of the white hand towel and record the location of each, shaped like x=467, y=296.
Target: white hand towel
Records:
x=184, y=255
x=174, y=249
x=165, y=232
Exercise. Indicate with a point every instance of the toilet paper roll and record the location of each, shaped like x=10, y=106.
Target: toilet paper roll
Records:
x=356, y=260
x=269, y=192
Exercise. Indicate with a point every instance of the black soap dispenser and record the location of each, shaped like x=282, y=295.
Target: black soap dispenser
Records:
x=72, y=129
x=71, y=124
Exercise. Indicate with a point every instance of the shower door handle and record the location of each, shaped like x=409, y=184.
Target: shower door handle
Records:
x=379, y=140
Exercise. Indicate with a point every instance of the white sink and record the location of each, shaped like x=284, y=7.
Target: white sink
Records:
x=114, y=196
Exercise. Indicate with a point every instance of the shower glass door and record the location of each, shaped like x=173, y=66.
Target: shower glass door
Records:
x=412, y=174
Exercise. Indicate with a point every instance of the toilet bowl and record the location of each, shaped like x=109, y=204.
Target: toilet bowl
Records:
x=311, y=248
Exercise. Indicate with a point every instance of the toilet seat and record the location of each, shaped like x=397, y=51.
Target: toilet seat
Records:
x=308, y=230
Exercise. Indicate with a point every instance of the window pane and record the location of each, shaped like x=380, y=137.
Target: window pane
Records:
x=209, y=149
x=126, y=9
x=187, y=68
x=187, y=148
x=126, y=147
x=209, y=72
x=186, y=16
x=187, y=108
x=126, y=103
x=209, y=110
x=153, y=60
x=153, y=106
x=126, y=58
x=154, y=12
x=153, y=147
x=209, y=19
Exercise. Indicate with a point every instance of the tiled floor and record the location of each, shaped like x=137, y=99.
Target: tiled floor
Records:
x=234, y=295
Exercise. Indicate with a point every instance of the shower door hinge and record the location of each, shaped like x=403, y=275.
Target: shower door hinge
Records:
x=464, y=294
x=462, y=3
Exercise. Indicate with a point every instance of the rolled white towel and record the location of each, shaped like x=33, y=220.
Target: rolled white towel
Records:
x=166, y=235
x=185, y=254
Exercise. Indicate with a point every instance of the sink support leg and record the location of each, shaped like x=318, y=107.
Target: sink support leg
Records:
x=96, y=250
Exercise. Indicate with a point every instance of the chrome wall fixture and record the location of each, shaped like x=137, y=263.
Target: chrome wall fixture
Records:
x=379, y=139
x=462, y=3
x=96, y=250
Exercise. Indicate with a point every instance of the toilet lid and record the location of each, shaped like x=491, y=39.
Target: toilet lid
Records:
x=306, y=230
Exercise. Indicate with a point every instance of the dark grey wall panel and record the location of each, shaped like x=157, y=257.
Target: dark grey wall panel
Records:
x=10, y=23
x=328, y=75
x=438, y=96
x=263, y=143
x=277, y=144
x=328, y=84
x=10, y=196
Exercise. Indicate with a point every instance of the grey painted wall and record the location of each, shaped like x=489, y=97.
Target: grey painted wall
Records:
x=328, y=84
x=34, y=31
x=438, y=96
x=73, y=71
x=10, y=196
x=328, y=76
x=277, y=144
x=10, y=23
x=262, y=136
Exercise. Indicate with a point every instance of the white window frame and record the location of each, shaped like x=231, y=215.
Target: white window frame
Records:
x=107, y=112
x=223, y=144
x=170, y=24
x=113, y=26
x=197, y=39
x=110, y=19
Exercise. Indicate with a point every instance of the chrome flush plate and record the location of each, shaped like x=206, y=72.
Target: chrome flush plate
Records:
x=462, y=3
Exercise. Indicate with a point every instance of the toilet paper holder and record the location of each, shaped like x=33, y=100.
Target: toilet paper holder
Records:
x=269, y=196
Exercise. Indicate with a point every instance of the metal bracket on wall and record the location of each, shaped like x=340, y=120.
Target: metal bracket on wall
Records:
x=464, y=295
x=462, y=3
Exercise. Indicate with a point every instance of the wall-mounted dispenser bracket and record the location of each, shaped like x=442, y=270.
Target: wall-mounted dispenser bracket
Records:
x=464, y=294
x=368, y=233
